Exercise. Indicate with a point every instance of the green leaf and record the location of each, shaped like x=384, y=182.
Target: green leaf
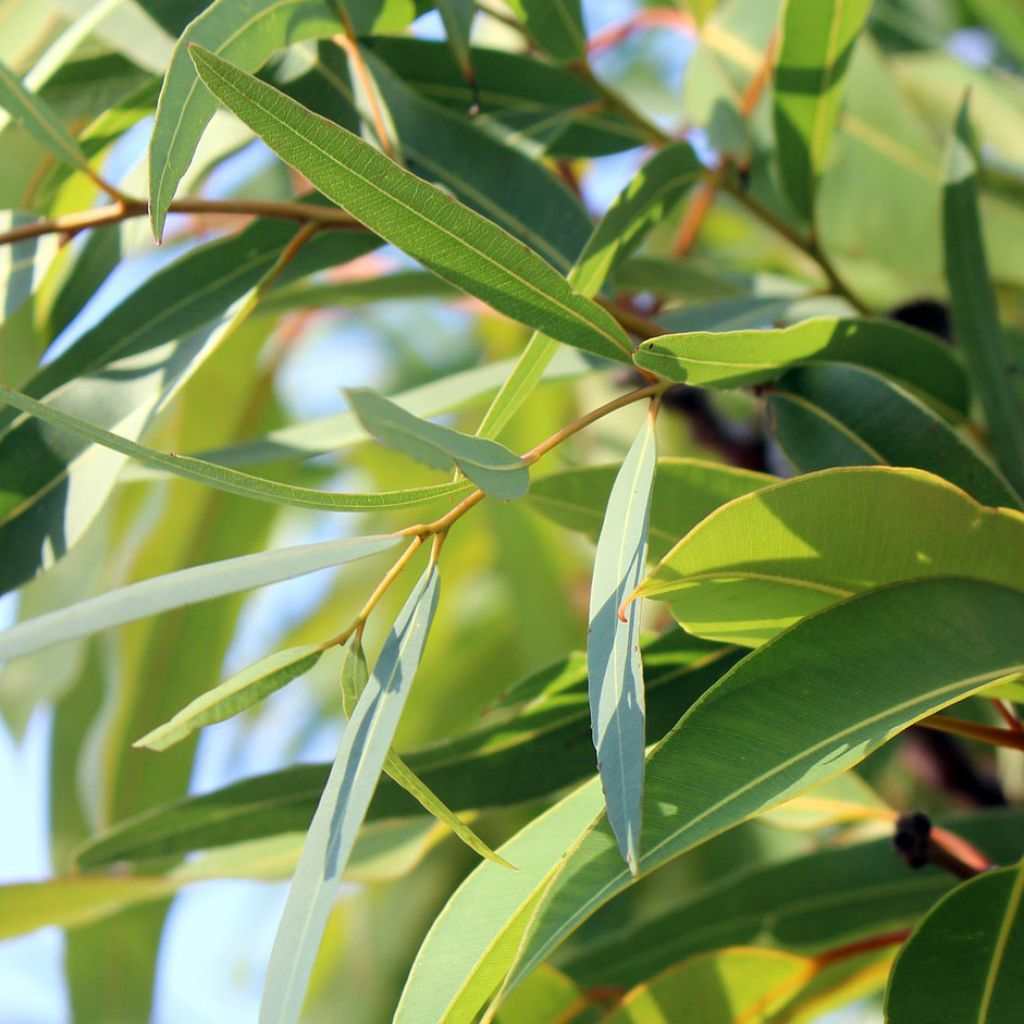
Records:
x=614, y=665
x=346, y=798
x=765, y=560
x=1005, y=20
x=354, y=677
x=973, y=305
x=818, y=37
x=457, y=244
x=685, y=491
x=805, y=904
x=546, y=720
x=246, y=32
x=644, y=202
x=223, y=478
x=744, y=358
x=491, y=466
x=696, y=787
x=836, y=415
x=555, y=25
x=457, y=16
x=37, y=117
x=178, y=589
x=234, y=695
x=963, y=960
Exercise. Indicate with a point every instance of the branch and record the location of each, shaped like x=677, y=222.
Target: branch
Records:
x=100, y=216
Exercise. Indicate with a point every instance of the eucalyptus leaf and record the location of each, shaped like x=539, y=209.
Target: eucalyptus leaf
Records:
x=490, y=465
x=556, y=25
x=457, y=244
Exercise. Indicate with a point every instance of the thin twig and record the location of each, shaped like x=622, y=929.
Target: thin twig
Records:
x=1008, y=714
x=582, y=69
x=350, y=47
x=993, y=735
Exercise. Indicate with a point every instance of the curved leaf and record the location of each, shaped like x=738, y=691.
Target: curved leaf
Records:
x=817, y=41
x=450, y=239
x=491, y=466
x=245, y=32
x=744, y=358
x=346, y=797
x=963, y=960
x=178, y=589
x=836, y=415
x=555, y=25
x=614, y=665
x=765, y=560
x=696, y=787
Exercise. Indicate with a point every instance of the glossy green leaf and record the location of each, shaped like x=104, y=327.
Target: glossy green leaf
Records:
x=555, y=25
x=643, y=203
x=695, y=788
x=234, y=695
x=818, y=37
x=224, y=478
x=685, y=491
x=614, y=665
x=37, y=117
x=765, y=560
x=546, y=996
x=491, y=466
x=744, y=358
x=457, y=16
x=973, y=305
x=354, y=677
x=963, y=960
x=546, y=720
x=178, y=589
x=836, y=415
x=246, y=32
x=805, y=904
x=448, y=238
x=346, y=798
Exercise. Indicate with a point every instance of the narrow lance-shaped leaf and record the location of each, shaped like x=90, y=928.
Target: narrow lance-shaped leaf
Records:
x=178, y=589
x=353, y=681
x=234, y=695
x=246, y=32
x=450, y=239
x=614, y=665
x=781, y=708
x=973, y=305
x=38, y=119
x=457, y=16
x=224, y=478
x=490, y=465
x=963, y=961
x=730, y=359
x=555, y=25
x=644, y=202
x=357, y=767
x=818, y=37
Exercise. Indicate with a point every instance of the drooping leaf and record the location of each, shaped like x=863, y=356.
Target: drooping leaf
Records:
x=841, y=415
x=346, y=797
x=224, y=478
x=767, y=559
x=448, y=238
x=685, y=491
x=457, y=16
x=354, y=677
x=546, y=721
x=178, y=589
x=246, y=32
x=963, y=960
x=555, y=25
x=644, y=202
x=234, y=695
x=805, y=904
x=817, y=42
x=973, y=305
x=694, y=788
x=490, y=465
x=37, y=117
x=614, y=665
x=744, y=358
